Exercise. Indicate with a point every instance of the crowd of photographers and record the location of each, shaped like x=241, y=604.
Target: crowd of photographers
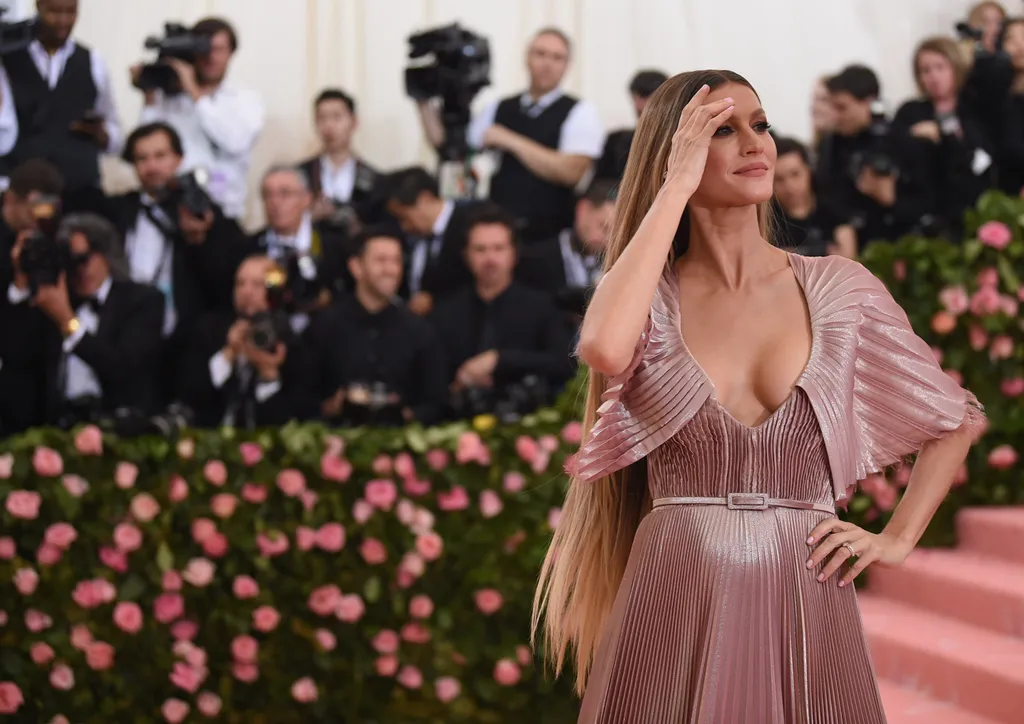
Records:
x=387, y=298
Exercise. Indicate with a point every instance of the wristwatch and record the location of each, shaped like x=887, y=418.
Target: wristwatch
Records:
x=71, y=327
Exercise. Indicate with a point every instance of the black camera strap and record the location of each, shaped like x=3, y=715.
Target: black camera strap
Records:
x=168, y=234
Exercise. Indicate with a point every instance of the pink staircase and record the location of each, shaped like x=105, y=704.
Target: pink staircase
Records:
x=946, y=629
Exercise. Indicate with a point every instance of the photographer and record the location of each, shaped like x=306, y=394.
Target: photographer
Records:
x=99, y=331
x=616, y=147
x=245, y=367
x=218, y=123
x=547, y=141
x=58, y=102
x=868, y=173
x=958, y=154
x=506, y=347
x=382, y=363
x=1011, y=130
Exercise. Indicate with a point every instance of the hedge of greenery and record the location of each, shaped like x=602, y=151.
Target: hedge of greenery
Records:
x=377, y=576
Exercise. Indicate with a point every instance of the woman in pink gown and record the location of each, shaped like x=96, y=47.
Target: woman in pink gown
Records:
x=738, y=392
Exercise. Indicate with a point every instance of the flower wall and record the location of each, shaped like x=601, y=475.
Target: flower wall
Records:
x=385, y=575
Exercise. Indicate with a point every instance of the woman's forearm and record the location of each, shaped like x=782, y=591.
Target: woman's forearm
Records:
x=618, y=310
x=930, y=481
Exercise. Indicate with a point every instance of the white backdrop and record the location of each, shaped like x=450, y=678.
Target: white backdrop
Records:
x=292, y=48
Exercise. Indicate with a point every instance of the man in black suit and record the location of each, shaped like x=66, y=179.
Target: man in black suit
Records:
x=612, y=163
x=98, y=331
x=436, y=230
x=232, y=378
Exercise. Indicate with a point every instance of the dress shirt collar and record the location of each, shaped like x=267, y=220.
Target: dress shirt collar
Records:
x=526, y=100
x=441, y=222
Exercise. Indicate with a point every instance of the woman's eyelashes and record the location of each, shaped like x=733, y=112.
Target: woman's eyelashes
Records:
x=759, y=127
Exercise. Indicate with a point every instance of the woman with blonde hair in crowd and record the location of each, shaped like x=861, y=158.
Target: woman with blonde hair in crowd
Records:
x=737, y=393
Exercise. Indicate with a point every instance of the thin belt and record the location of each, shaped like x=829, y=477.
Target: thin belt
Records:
x=745, y=501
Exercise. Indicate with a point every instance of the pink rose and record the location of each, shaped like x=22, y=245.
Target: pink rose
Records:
x=1008, y=305
x=128, y=617
x=175, y=711
x=87, y=595
x=291, y=482
x=456, y=499
x=955, y=376
x=251, y=453
x=179, y=489
x=203, y=528
x=245, y=649
x=144, y=507
x=430, y=546
x=526, y=448
x=6, y=465
x=373, y=551
x=554, y=515
x=48, y=555
x=405, y=511
x=265, y=619
x=99, y=656
x=385, y=642
x=1011, y=388
x=421, y=607
x=223, y=505
x=415, y=487
x=114, y=559
x=899, y=270
x=488, y=601
x=89, y=441
x=331, y=537
x=245, y=587
x=506, y=672
x=548, y=443
x=490, y=504
x=1002, y=457
x=988, y=277
x=187, y=677
x=447, y=688
x=437, y=459
x=323, y=601
x=252, y=493
x=938, y=354
x=11, y=698
x=381, y=494
x=40, y=653
x=524, y=656
x=995, y=234
x=199, y=572
x=186, y=448
x=61, y=677
x=325, y=639
x=216, y=545
x=272, y=544
x=304, y=690
x=381, y=465
x=985, y=301
x=362, y=511
x=1002, y=347
x=3, y=618
x=415, y=633
x=954, y=299
x=410, y=677
x=60, y=719
x=216, y=473
x=125, y=475
x=246, y=673
x=76, y=485
x=333, y=467
x=961, y=476
x=26, y=580
x=208, y=704
x=7, y=548
x=334, y=444
x=47, y=462
x=350, y=608
x=413, y=564
x=168, y=607
x=423, y=522
x=469, y=448
x=24, y=504
x=886, y=497
x=540, y=463
x=308, y=499
x=80, y=637
x=127, y=538
x=305, y=538
x=404, y=465
x=572, y=433
x=513, y=482
x=171, y=581
x=943, y=323
x=184, y=630
x=386, y=665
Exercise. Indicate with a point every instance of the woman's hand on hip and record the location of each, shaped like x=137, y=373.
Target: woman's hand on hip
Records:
x=833, y=540
x=697, y=124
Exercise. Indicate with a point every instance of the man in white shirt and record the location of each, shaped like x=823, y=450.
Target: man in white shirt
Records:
x=218, y=123
x=56, y=101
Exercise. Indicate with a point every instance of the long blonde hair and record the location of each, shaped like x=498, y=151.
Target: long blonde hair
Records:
x=590, y=548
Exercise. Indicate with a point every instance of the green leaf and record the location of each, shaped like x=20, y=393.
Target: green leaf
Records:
x=972, y=249
x=164, y=557
x=133, y=587
x=417, y=440
x=372, y=589
x=1008, y=274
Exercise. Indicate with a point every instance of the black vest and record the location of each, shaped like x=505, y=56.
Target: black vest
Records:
x=544, y=208
x=45, y=116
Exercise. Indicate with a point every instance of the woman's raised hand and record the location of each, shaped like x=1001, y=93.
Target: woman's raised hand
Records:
x=697, y=124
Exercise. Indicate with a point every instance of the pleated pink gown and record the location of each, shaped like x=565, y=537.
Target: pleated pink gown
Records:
x=717, y=619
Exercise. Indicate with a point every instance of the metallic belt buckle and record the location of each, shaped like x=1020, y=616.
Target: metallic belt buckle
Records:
x=747, y=501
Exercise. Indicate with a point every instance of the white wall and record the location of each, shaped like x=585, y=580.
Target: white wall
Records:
x=292, y=48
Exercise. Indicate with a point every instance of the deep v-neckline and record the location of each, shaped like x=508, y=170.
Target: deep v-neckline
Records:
x=706, y=378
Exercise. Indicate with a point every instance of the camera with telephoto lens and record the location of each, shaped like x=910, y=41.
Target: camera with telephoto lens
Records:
x=44, y=257
x=877, y=156
x=269, y=328
x=371, y=403
x=178, y=42
x=191, y=192
x=17, y=35
x=514, y=402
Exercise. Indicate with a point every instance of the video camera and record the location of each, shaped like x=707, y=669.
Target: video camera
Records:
x=268, y=328
x=371, y=403
x=44, y=257
x=877, y=156
x=514, y=402
x=452, y=64
x=178, y=42
x=190, y=191
x=16, y=36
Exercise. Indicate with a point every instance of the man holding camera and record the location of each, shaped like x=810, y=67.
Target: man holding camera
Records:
x=245, y=367
x=218, y=123
x=95, y=333
x=57, y=101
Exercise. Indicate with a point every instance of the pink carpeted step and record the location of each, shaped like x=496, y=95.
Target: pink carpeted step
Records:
x=974, y=588
x=972, y=668
x=997, y=532
x=903, y=706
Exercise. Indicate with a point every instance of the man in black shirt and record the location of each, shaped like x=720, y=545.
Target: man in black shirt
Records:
x=616, y=149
